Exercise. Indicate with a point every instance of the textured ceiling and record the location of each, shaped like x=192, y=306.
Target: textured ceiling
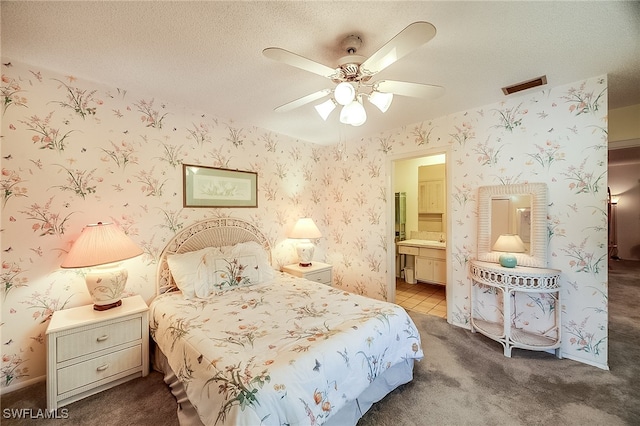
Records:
x=207, y=55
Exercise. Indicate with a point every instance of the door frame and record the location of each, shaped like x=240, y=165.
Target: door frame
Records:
x=390, y=228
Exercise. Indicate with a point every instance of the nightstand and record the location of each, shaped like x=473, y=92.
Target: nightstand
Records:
x=89, y=351
x=318, y=272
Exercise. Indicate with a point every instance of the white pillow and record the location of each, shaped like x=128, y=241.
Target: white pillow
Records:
x=193, y=271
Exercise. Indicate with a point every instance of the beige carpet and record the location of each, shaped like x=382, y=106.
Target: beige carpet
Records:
x=463, y=380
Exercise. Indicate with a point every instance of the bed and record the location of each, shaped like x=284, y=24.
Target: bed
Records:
x=242, y=344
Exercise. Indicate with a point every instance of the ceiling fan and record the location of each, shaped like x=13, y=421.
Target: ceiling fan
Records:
x=354, y=73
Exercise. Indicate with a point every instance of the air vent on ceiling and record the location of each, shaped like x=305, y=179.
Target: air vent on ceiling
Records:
x=540, y=81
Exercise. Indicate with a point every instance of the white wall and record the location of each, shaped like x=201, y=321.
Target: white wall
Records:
x=624, y=182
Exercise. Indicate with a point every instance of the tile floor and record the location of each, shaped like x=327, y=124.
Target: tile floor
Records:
x=422, y=297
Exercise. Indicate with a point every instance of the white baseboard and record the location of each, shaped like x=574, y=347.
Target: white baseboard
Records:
x=22, y=384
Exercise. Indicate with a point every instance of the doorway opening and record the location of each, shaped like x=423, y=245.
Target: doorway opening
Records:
x=418, y=215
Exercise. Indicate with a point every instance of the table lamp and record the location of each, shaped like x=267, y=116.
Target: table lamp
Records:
x=305, y=230
x=509, y=244
x=101, y=248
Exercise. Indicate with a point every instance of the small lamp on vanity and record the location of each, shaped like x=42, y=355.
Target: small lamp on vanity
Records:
x=101, y=248
x=509, y=244
x=305, y=230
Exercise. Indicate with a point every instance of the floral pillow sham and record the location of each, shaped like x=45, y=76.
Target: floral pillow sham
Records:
x=200, y=273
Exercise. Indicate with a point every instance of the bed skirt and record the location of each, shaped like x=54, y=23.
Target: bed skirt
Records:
x=393, y=377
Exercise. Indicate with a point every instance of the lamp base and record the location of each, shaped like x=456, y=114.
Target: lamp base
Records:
x=508, y=260
x=106, y=284
x=305, y=249
x=108, y=306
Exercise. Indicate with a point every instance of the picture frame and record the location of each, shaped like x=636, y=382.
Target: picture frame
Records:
x=204, y=186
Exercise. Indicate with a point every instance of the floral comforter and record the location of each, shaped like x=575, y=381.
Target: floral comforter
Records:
x=285, y=352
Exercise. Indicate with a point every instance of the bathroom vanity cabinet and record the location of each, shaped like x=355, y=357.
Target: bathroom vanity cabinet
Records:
x=428, y=259
x=431, y=266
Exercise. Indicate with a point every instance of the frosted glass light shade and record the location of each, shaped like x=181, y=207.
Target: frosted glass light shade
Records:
x=353, y=114
x=359, y=114
x=325, y=108
x=101, y=247
x=344, y=93
x=381, y=100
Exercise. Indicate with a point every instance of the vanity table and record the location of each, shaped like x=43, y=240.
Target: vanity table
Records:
x=507, y=281
x=497, y=310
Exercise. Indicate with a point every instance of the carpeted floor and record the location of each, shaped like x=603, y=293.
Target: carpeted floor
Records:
x=463, y=380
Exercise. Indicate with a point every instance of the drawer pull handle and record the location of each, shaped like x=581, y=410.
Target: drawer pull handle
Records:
x=102, y=338
x=102, y=367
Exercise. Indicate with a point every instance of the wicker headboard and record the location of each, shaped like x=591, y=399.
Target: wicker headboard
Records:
x=217, y=232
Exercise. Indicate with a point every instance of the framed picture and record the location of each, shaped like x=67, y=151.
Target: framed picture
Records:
x=211, y=187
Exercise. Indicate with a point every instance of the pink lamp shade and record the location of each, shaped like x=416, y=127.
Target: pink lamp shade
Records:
x=101, y=247
x=305, y=229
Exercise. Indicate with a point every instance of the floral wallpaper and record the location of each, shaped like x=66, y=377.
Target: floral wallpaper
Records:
x=557, y=136
x=76, y=152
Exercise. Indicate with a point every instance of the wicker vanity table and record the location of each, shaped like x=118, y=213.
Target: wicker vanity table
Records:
x=507, y=281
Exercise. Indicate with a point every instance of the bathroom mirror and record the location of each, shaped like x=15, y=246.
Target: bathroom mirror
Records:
x=536, y=215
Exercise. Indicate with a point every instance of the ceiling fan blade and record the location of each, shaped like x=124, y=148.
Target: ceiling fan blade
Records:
x=298, y=61
x=406, y=41
x=303, y=100
x=416, y=90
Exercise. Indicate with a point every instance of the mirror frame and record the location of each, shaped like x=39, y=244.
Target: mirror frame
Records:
x=537, y=257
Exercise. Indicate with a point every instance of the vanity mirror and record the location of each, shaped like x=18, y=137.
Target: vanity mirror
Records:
x=519, y=206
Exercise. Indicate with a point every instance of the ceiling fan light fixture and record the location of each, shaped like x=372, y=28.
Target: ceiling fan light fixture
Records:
x=325, y=108
x=353, y=114
x=354, y=73
x=344, y=115
x=381, y=100
x=360, y=115
x=344, y=93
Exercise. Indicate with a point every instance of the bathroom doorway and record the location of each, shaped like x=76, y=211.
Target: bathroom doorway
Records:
x=415, y=174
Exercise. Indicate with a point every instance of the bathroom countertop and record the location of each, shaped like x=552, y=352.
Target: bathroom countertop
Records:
x=423, y=243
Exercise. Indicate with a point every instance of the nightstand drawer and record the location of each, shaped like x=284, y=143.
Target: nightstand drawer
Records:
x=100, y=368
x=84, y=342
x=323, y=277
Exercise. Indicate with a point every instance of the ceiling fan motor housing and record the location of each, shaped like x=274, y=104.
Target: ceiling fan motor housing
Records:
x=351, y=44
x=349, y=66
